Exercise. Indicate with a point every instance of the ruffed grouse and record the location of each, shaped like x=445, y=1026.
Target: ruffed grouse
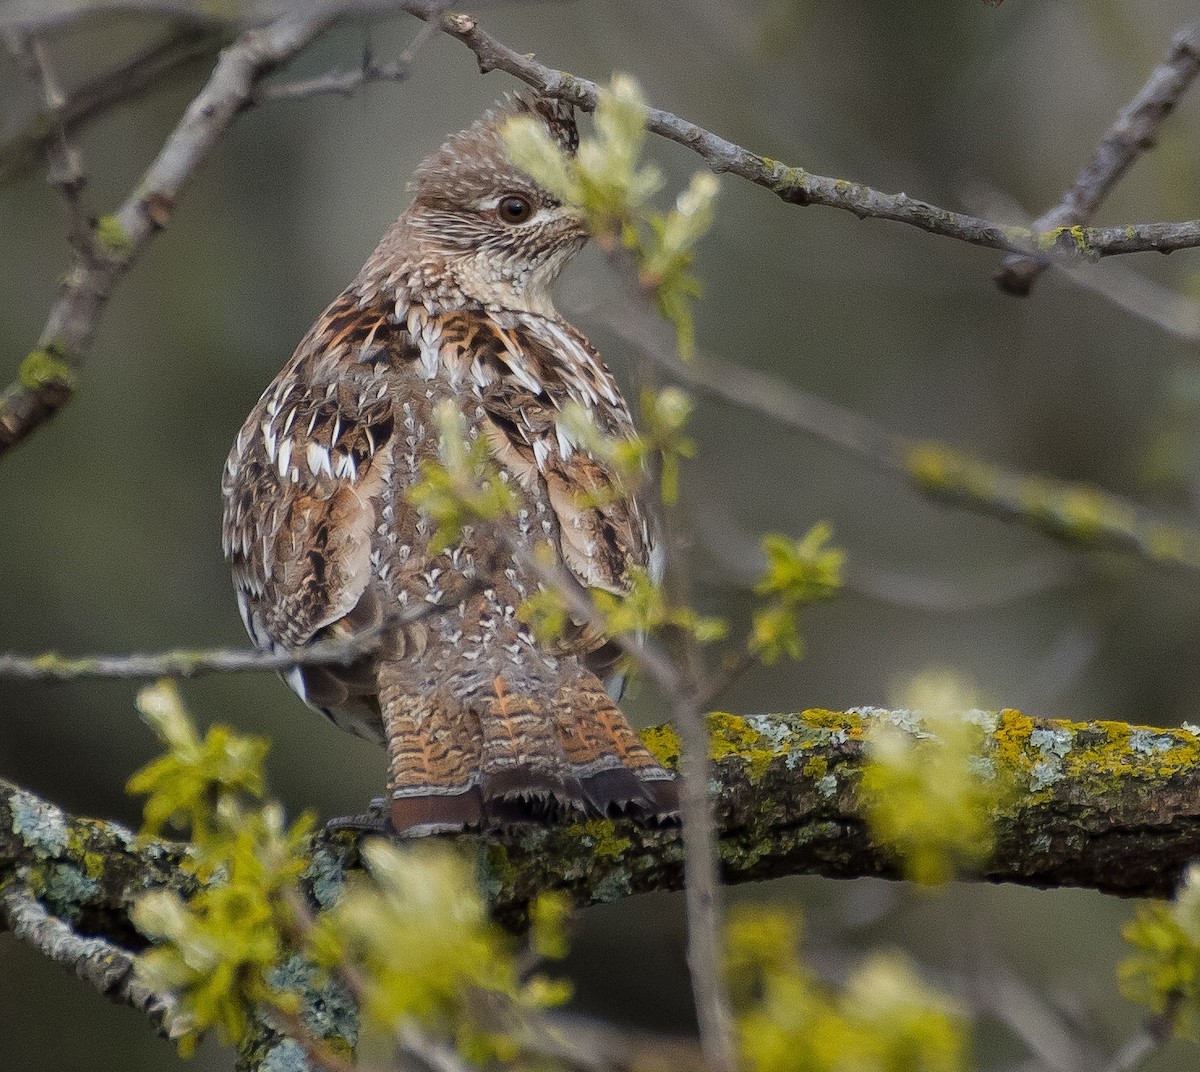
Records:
x=481, y=724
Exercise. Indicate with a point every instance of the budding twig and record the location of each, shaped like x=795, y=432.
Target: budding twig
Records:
x=1130, y=136
x=797, y=186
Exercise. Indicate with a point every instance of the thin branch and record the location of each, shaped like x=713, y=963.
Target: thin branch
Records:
x=1166, y=309
x=1155, y=1032
x=347, y=83
x=800, y=187
x=51, y=666
x=46, y=378
x=66, y=164
x=1079, y=514
x=97, y=961
x=1130, y=136
x=691, y=690
x=341, y=83
x=433, y=1052
x=182, y=663
x=26, y=147
x=683, y=681
x=996, y=989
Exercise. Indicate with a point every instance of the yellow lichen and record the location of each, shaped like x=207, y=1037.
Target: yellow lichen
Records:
x=1010, y=743
x=663, y=743
x=732, y=735
x=815, y=767
x=848, y=722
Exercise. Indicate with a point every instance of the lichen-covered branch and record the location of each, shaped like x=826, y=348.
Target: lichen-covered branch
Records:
x=1130, y=136
x=23, y=149
x=85, y=872
x=1103, y=805
x=103, y=964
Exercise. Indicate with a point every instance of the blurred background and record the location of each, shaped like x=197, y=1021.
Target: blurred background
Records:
x=109, y=516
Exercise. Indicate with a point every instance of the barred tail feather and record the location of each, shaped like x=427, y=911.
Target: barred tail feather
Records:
x=496, y=756
x=434, y=747
x=618, y=773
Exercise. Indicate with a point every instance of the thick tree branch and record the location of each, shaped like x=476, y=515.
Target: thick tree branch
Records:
x=1102, y=805
x=1130, y=136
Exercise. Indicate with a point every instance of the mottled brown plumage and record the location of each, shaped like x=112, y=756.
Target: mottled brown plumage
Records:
x=480, y=723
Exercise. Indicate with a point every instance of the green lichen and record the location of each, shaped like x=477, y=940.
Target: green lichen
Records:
x=111, y=235
x=847, y=725
x=499, y=873
x=327, y=1007
x=40, y=826
x=65, y=890
x=47, y=367
x=326, y=875
x=784, y=179
x=1016, y=237
x=286, y=1055
x=613, y=887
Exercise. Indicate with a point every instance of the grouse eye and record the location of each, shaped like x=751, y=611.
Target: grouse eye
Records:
x=513, y=208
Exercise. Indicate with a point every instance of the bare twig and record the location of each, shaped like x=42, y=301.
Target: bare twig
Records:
x=680, y=676
x=181, y=663
x=25, y=148
x=1155, y=1032
x=432, y=1052
x=800, y=187
x=50, y=666
x=107, y=967
x=347, y=83
x=66, y=165
x=996, y=989
x=1130, y=136
x=342, y=83
x=46, y=379
x=1077, y=513
x=1130, y=291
